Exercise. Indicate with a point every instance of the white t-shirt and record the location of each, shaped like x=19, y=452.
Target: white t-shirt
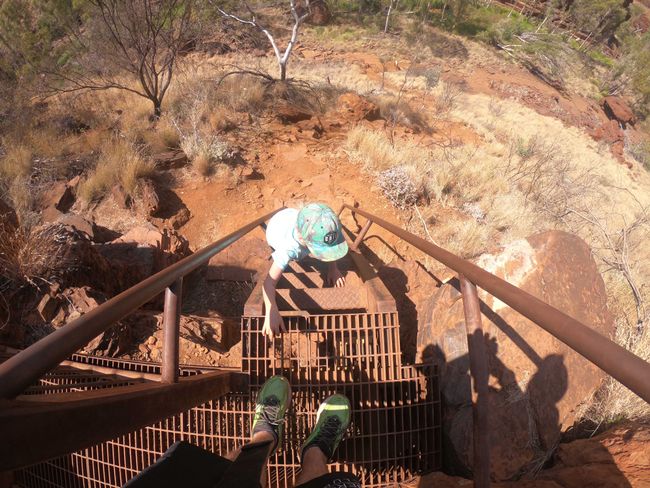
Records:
x=280, y=235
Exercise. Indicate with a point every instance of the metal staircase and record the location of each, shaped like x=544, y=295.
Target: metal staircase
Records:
x=69, y=420
x=335, y=342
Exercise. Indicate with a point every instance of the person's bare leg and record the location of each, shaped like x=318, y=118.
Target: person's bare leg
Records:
x=314, y=465
x=257, y=437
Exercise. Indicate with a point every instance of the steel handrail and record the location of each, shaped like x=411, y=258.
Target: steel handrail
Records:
x=618, y=362
x=26, y=367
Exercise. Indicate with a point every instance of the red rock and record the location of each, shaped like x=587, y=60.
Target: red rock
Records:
x=290, y=114
x=250, y=173
x=610, y=132
x=51, y=214
x=148, y=201
x=618, y=457
x=170, y=160
x=78, y=223
x=180, y=218
x=537, y=382
x=240, y=261
x=74, y=183
x=354, y=108
x=83, y=299
x=60, y=196
x=47, y=307
x=59, y=319
x=616, y=108
x=121, y=198
x=158, y=248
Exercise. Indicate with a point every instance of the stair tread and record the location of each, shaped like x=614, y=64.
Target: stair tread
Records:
x=313, y=279
x=322, y=299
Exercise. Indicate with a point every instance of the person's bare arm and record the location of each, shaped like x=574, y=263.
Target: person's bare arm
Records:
x=273, y=324
x=334, y=275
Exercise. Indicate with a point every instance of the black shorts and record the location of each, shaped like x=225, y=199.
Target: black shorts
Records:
x=188, y=466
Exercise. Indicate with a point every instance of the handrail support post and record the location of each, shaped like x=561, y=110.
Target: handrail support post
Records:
x=479, y=373
x=364, y=230
x=171, y=331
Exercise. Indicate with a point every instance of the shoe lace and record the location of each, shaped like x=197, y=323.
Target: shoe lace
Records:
x=270, y=411
x=330, y=430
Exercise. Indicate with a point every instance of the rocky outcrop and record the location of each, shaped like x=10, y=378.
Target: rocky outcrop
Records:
x=612, y=133
x=291, y=114
x=170, y=160
x=618, y=458
x=536, y=382
x=60, y=196
x=354, y=108
x=144, y=251
x=240, y=261
x=617, y=109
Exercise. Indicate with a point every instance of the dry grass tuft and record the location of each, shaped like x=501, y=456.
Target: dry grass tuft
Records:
x=375, y=152
x=119, y=163
x=241, y=93
x=162, y=137
x=16, y=163
x=399, y=112
x=30, y=257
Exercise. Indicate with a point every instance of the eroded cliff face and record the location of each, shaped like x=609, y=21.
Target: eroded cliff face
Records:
x=536, y=382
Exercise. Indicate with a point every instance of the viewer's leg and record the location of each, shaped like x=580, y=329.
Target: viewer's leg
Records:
x=273, y=402
x=331, y=423
x=314, y=464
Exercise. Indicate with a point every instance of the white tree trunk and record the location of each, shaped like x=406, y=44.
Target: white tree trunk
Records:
x=393, y=4
x=282, y=58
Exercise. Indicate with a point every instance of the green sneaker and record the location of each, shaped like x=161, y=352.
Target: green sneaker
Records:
x=273, y=401
x=332, y=421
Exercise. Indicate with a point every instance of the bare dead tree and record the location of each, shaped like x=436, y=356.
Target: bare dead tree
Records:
x=141, y=38
x=617, y=253
x=298, y=14
x=393, y=5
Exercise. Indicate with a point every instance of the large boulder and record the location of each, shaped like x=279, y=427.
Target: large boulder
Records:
x=241, y=261
x=536, y=382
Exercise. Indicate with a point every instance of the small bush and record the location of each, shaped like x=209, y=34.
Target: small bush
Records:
x=640, y=151
x=119, y=163
x=446, y=101
x=400, y=186
x=204, y=151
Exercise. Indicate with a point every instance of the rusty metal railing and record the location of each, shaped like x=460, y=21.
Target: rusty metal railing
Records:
x=26, y=367
x=618, y=362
